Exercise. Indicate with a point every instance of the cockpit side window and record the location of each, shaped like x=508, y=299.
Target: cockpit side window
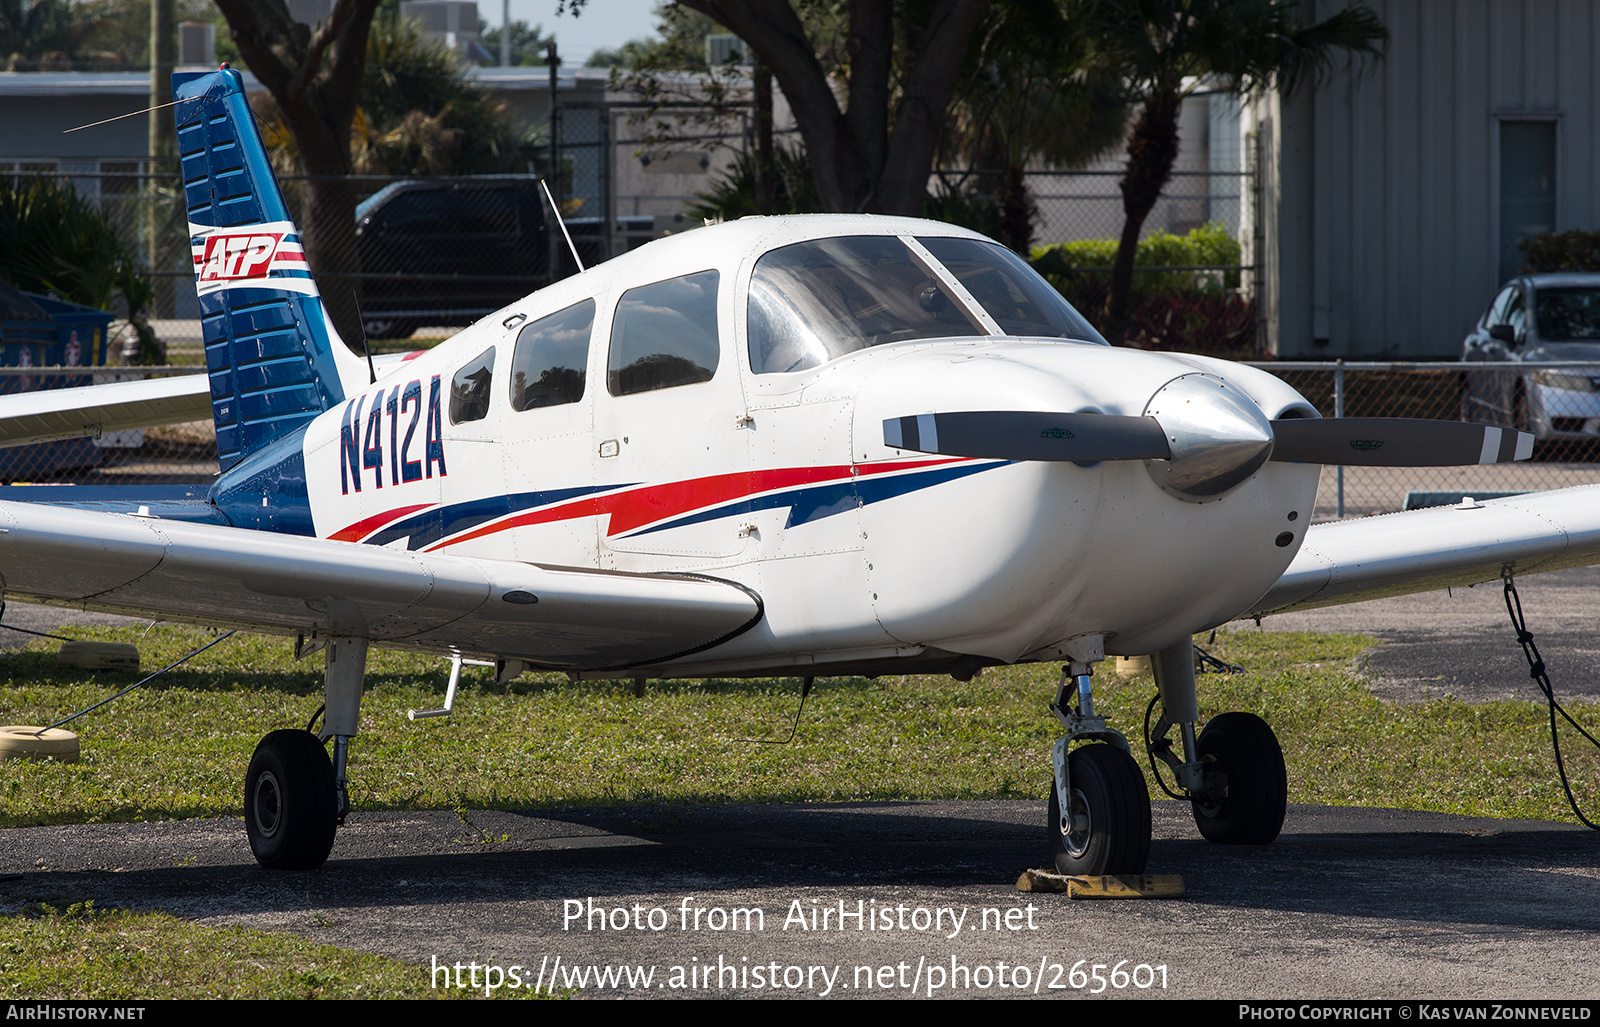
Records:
x=1014, y=295
x=552, y=358
x=665, y=335
x=469, y=389
x=813, y=301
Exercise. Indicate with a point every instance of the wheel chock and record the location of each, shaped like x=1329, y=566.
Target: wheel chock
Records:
x=1107, y=886
x=20, y=742
x=99, y=656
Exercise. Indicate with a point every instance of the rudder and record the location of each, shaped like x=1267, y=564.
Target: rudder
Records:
x=274, y=359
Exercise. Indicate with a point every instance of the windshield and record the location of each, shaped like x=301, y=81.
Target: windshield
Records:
x=814, y=301
x=1019, y=300
x=1569, y=313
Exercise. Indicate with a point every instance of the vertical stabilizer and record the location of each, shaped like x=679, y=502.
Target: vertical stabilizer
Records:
x=274, y=358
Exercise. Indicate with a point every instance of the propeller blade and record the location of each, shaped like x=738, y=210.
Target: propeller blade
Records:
x=1395, y=442
x=1030, y=435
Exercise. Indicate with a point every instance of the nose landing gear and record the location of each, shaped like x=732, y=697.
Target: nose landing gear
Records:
x=1099, y=820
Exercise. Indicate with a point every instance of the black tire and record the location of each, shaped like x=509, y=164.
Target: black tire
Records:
x=290, y=806
x=1243, y=747
x=1108, y=788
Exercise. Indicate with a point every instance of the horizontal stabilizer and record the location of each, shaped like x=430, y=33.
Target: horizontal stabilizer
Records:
x=1027, y=435
x=1395, y=442
x=94, y=410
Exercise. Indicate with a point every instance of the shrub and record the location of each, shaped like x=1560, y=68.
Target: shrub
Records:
x=1561, y=251
x=1197, y=312
x=1207, y=246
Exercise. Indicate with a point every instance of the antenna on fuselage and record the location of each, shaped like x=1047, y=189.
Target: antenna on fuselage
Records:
x=560, y=221
x=366, y=344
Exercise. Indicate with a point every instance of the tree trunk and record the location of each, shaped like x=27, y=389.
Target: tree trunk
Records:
x=315, y=77
x=1152, y=150
x=1016, y=211
x=858, y=165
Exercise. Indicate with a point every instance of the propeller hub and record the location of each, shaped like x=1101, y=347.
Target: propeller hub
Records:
x=1218, y=436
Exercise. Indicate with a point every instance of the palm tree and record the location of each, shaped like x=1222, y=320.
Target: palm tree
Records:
x=1166, y=48
x=1036, y=92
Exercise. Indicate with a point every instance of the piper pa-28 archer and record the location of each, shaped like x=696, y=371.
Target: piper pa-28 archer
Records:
x=813, y=446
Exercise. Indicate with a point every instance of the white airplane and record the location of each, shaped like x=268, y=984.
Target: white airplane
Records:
x=830, y=445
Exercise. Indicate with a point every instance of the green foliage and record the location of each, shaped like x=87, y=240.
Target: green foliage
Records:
x=1195, y=312
x=964, y=205
x=1561, y=251
x=54, y=241
x=1209, y=245
x=423, y=116
x=732, y=194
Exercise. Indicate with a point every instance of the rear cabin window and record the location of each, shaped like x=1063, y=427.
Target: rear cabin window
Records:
x=665, y=335
x=552, y=358
x=469, y=389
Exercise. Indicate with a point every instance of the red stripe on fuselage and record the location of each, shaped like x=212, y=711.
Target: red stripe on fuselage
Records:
x=367, y=525
x=635, y=508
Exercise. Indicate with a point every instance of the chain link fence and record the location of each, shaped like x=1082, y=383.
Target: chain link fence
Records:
x=1075, y=205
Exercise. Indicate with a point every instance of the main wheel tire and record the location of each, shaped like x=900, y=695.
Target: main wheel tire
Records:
x=290, y=805
x=1242, y=746
x=1109, y=832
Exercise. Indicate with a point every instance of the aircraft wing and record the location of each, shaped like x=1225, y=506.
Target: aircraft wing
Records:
x=95, y=409
x=1423, y=550
x=289, y=584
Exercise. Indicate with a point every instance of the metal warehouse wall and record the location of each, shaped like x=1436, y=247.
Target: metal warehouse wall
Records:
x=1386, y=197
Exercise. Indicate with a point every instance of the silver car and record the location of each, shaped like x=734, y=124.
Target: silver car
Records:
x=1538, y=318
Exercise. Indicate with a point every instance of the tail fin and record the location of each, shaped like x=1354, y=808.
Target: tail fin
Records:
x=274, y=358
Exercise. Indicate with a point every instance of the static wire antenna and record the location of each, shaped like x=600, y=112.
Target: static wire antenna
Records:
x=557, y=215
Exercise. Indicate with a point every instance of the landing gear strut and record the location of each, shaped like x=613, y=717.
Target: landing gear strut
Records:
x=1099, y=819
x=295, y=797
x=1233, y=773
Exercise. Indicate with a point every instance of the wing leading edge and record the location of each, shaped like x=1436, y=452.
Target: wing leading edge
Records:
x=206, y=574
x=1424, y=550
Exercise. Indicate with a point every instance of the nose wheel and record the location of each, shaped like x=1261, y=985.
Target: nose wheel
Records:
x=1099, y=821
x=1105, y=827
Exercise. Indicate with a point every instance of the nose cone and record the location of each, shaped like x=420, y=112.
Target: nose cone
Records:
x=1218, y=435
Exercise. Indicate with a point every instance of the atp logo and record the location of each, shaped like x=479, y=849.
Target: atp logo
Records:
x=238, y=256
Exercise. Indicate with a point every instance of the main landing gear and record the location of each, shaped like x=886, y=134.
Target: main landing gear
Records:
x=1232, y=772
x=295, y=797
